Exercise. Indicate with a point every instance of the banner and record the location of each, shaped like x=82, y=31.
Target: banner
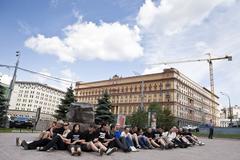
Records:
x=121, y=119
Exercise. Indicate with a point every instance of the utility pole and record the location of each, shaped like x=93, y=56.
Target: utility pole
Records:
x=13, y=80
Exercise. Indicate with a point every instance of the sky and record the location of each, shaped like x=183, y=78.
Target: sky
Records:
x=90, y=40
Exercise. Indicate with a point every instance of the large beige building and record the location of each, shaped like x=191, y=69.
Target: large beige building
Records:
x=189, y=102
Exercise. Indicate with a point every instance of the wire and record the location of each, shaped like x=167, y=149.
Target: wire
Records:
x=34, y=72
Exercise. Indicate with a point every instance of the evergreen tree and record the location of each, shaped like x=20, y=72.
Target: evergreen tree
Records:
x=103, y=112
x=65, y=104
x=3, y=106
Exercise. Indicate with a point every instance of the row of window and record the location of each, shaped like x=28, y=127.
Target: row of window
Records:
x=125, y=89
x=35, y=87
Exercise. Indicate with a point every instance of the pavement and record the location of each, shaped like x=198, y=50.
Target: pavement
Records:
x=215, y=149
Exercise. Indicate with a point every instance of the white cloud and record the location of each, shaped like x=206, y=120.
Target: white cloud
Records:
x=41, y=79
x=172, y=16
x=4, y=78
x=68, y=74
x=177, y=29
x=87, y=40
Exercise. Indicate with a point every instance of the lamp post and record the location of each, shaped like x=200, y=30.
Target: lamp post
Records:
x=229, y=106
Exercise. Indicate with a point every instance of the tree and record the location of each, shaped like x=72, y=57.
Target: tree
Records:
x=139, y=119
x=65, y=104
x=165, y=119
x=3, y=106
x=103, y=112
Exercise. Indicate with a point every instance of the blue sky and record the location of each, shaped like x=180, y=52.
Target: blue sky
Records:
x=90, y=40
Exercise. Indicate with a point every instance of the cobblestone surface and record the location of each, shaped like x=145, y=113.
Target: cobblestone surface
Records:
x=216, y=149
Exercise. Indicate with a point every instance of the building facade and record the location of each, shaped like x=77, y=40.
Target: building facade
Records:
x=225, y=114
x=188, y=101
x=28, y=96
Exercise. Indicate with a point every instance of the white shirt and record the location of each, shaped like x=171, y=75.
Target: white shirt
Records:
x=172, y=135
x=123, y=134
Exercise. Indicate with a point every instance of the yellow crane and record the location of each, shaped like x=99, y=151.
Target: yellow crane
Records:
x=210, y=60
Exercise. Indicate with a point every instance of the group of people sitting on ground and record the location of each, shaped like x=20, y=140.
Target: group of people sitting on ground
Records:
x=108, y=139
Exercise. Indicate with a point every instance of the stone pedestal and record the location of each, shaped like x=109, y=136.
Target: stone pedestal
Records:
x=81, y=113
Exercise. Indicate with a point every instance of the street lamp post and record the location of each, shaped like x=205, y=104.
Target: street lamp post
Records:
x=229, y=106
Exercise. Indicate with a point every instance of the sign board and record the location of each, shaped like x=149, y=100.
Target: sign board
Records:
x=121, y=119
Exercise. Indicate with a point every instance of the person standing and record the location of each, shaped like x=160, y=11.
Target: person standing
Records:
x=211, y=129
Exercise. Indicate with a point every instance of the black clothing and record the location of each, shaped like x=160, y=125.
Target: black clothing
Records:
x=210, y=136
x=156, y=134
x=57, y=143
x=58, y=130
x=75, y=136
x=39, y=143
x=89, y=136
x=102, y=135
x=148, y=135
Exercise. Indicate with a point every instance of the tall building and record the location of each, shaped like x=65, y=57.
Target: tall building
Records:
x=28, y=96
x=189, y=102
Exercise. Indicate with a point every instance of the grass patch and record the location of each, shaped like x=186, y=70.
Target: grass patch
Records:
x=218, y=135
x=14, y=130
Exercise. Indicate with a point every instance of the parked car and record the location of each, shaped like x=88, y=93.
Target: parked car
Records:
x=191, y=128
x=21, y=122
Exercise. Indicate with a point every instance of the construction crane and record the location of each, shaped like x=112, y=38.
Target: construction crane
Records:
x=210, y=60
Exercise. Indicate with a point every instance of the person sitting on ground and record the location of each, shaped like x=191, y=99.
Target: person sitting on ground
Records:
x=168, y=139
x=46, y=134
x=76, y=139
x=128, y=137
x=106, y=139
x=177, y=139
x=134, y=133
x=49, y=131
x=157, y=137
x=120, y=142
x=143, y=140
x=59, y=129
x=192, y=138
x=91, y=141
x=149, y=134
x=59, y=140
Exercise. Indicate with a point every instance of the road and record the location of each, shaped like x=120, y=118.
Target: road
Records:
x=216, y=149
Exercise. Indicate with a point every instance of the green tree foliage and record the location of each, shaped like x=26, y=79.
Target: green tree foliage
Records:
x=103, y=112
x=139, y=119
x=3, y=106
x=65, y=104
x=165, y=119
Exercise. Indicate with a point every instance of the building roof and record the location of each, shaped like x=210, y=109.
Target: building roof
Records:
x=147, y=75
x=40, y=84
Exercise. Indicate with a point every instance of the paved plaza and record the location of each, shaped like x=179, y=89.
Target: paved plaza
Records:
x=216, y=149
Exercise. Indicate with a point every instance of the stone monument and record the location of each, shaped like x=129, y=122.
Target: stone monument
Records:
x=81, y=112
